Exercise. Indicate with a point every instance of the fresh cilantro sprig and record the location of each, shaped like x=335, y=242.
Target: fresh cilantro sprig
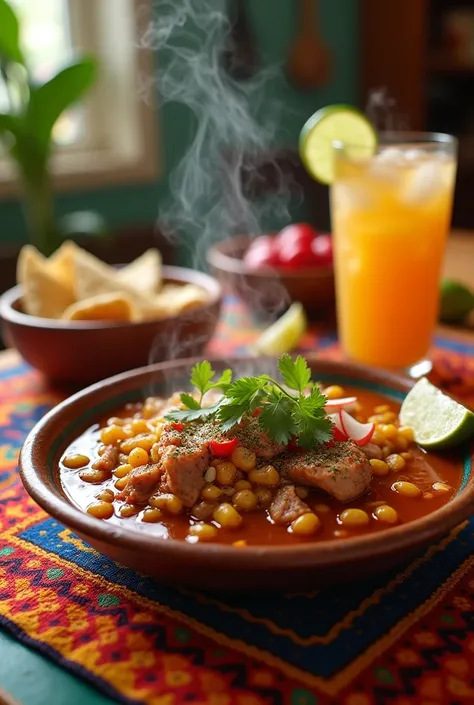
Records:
x=294, y=407
x=202, y=375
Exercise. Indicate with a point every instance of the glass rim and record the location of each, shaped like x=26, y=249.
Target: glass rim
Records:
x=406, y=137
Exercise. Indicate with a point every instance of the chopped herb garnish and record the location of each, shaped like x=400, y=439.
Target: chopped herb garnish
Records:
x=292, y=408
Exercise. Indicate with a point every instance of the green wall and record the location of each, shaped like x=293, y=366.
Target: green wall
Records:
x=274, y=24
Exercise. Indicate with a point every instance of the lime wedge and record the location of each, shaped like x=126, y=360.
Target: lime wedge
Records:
x=437, y=420
x=335, y=123
x=285, y=334
x=456, y=301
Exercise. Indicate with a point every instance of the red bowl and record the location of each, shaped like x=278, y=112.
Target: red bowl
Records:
x=268, y=292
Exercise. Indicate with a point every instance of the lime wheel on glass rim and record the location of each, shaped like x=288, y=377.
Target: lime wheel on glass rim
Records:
x=341, y=124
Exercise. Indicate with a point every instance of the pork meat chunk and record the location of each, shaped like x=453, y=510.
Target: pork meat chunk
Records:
x=286, y=506
x=141, y=483
x=342, y=470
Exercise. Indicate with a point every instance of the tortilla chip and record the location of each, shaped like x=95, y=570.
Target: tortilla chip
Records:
x=175, y=298
x=61, y=263
x=144, y=273
x=93, y=277
x=44, y=294
x=104, y=307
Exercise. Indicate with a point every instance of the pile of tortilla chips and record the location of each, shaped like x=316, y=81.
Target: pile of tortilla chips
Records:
x=73, y=285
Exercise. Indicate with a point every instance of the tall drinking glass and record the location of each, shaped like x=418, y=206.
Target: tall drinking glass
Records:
x=390, y=215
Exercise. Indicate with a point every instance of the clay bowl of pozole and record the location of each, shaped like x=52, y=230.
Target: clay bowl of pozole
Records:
x=192, y=505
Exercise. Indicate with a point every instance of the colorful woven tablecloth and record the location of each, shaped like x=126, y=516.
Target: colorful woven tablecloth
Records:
x=406, y=638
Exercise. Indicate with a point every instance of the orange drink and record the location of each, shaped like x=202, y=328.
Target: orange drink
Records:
x=390, y=217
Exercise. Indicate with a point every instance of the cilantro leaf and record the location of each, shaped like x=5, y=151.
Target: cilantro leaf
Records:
x=245, y=390
x=295, y=373
x=201, y=376
x=189, y=401
x=191, y=414
x=276, y=418
x=224, y=381
x=314, y=427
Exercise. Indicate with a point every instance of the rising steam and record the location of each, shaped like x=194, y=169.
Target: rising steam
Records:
x=207, y=201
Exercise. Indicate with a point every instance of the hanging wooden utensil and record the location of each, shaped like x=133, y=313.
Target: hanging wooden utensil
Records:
x=309, y=59
x=239, y=58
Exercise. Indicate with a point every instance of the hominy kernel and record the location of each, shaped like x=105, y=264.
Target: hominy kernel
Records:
x=334, y=392
x=140, y=426
x=387, y=449
x=129, y=510
x=115, y=421
x=267, y=476
x=74, y=461
x=106, y=496
x=264, y=496
x=112, y=434
x=354, y=517
x=386, y=514
x=100, y=510
x=407, y=489
x=225, y=473
x=389, y=430
x=242, y=485
x=210, y=474
x=407, y=433
x=406, y=456
x=401, y=443
x=379, y=467
x=145, y=441
x=211, y=492
x=381, y=409
x=216, y=462
x=122, y=470
x=121, y=483
x=389, y=417
x=244, y=459
x=395, y=462
x=240, y=544
x=151, y=516
x=322, y=508
x=137, y=457
x=378, y=438
x=93, y=476
x=204, y=532
x=167, y=502
x=155, y=453
x=203, y=510
x=441, y=487
x=227, y=516
x=306, y=524
x=245, y=500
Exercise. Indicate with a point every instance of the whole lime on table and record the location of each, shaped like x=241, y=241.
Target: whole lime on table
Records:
x=456, y=301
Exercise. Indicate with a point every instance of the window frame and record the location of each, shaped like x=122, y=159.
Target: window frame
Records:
x=124, y=151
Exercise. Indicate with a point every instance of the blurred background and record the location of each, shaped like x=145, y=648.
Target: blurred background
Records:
x=410, y=62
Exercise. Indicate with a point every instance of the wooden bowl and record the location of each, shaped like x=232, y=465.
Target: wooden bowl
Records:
x=269, y=292
x=87, y=351
x=219, y=566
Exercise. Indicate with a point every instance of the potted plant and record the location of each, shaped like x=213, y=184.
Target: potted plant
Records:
x=26, y=127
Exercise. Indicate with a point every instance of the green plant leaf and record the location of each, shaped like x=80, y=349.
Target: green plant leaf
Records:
x=50, y=100
x=8, y=123
x=9, y=33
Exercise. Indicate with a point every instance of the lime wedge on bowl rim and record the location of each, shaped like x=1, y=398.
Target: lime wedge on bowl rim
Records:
x=437, y=421
x=335, y=124
x=285, y=334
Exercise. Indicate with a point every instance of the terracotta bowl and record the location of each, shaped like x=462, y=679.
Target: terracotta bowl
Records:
x=214, y=566
x=269, y=292
x=87, y=351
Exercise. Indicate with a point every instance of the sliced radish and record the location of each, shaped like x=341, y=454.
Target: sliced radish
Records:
x=339, y=433
x=336, y=404
x=360, y=433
